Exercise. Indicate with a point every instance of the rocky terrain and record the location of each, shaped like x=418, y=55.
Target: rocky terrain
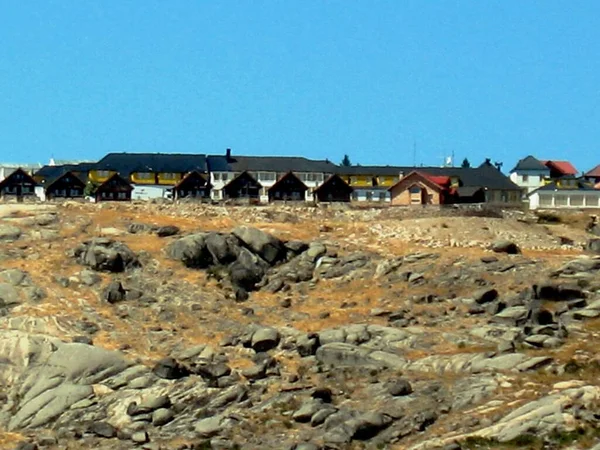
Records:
x=161, y=326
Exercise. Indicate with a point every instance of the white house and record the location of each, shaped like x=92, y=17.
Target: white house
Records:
x=529, y=174
x=565, y=193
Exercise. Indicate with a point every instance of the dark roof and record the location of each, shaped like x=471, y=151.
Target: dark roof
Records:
x=269, y=164
x=50, y=181
x=468, y=191
x=192, y=175
x=292, y=175
x=595, y=172
x=333, y=179
x=127, y=163
x=53, y=172
x=115, y=179
x=580, y=184
x=373, y=170
x=12, y=175
x=240, y=177
x=529, y=163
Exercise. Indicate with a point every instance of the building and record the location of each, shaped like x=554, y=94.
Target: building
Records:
x=421, y=188
x=115, y=188
x=244, y=186
x=559, y=169
x=18, y=184
x=333, y=189
x=371, y=183
x=192, y=185
x=288, y=188
x=7, y=168
x=593, y=175
x=567, y=192
x=152, y=175
x=65, y=186
x=266, y=170
x=530, y=174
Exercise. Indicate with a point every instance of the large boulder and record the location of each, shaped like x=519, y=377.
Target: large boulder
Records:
x=224, y=248
x=248, y=270
x=593, y=245
x=9, y=233
x=191, y=250
x=504, y=246
x=106, y=255
x=267, y=246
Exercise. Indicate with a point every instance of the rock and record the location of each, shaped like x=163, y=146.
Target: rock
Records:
x=265, y=339
x=151, y=403
x=209, y=427
x=170, y=369
x=306, y=446
x=247, y=271
x=369, y=425
x=485, y=296
x=268, y=247
x=558, y=292
x=399, y=388
x=504, y=246
x=14, y=277
x=224, y=248
x=89, y=278
x=9, y=233
x=140, y=437
x=307, y=344
x=162, y=416
x=191, y=251
x=114, y=292
x=489, y=259
x=256, y=372
x=8, y=295
x=135, y=228
x=593, y=245
x=315, y=251
x=103, y=429
x=106, y=255
x=340, y=354
x=167, y=230
x=306, y=411
x=324, y=394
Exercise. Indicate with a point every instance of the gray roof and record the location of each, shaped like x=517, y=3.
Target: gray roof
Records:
x=127, y=163
x=280, y=164
x=530, y=163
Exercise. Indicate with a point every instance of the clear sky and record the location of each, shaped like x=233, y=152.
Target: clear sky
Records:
x=494, y=78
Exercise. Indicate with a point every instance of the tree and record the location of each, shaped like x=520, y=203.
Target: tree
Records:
x=465, y=164
x=90, y=189
x=346, y=161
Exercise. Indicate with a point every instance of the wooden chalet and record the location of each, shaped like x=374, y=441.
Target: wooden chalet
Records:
x=419, y=188
x=244, y=186
x=67, y=185
x=288, y=188
x=334, y=189
x=116, y=188
x=18, y=184
x=192, y=185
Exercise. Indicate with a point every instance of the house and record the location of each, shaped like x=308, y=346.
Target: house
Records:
x=152, y=175
x=530, y=174
x=192, y=185
x=593, y=175
x=333, y=189
x=266, y=170
x=18, y=184
x=559, y=169
x=115, y=188
x=67, y=185
x=50, y=173
x=244, y=186
x=567, y=192
x=421, y=188
x=371, y=183
x=288, y=188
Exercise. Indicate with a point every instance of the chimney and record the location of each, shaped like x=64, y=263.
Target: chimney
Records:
x=228, y=153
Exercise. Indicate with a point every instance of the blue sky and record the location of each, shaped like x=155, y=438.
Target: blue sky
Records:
x=499, y=79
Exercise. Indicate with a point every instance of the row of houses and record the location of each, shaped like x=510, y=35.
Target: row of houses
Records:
x=548, y=184
x=132, y=176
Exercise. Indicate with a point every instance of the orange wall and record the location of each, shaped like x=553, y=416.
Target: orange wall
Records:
x=401, y=195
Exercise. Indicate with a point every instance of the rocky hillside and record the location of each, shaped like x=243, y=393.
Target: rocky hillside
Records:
x=205, y=327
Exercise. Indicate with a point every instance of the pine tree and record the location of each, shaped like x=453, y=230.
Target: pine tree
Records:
x=346, y=161
x=465, y=164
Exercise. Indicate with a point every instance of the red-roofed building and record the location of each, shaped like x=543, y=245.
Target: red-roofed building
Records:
x=419, y=188
x=559, y=169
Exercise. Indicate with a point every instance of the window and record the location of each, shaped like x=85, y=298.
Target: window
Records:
x=75, y=192
x=168, y=175
x=319, y=177
x=104, y=195
x=26, y=189
x=267, y=176
x=354, y=195
x=382, y=196
x=122, y=196
x=504, y=197
x=11, y=189
x=61, y=193
x=103, y=173
x=525, y=178
x=369, y=196
x=414, y=189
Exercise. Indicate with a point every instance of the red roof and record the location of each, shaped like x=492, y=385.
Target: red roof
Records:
x=440, y=180
x=595, y=172
x=564, y=167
